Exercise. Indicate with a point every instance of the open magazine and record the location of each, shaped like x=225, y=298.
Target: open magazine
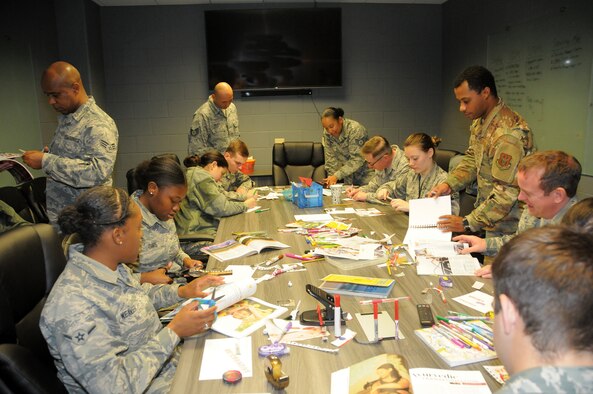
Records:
x=424, y=216
x=243, y=246
x=238, y=314
x=19, y=172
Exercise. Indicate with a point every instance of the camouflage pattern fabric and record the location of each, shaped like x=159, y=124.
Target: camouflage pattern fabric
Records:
x=549, y=379
x=9, y=219
x=103, y=331
x=413, y=186
x=212, y=128
x=160, y=243
x=231, y=182
x=204, y=204
x=81, y=155
x=399, y=168
x=342, y=154
x=496, y=146
x=527, y=221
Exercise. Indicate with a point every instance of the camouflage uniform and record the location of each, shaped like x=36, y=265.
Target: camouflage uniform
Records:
x=81, y=155
x=398, y=168
x=496, y=145
x=204, y=204
x=212, y=128
x=103, y=331
x=527, y=221
x=342, y=155
x=160, y=243
x=9, y=219
x=550, y=379
x=231, y=182
x=413, y=186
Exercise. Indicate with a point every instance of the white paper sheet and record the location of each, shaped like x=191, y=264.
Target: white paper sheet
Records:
x=221, y=355
x=477, y=300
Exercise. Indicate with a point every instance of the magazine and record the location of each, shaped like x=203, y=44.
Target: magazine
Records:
x=383, y=373
x=243, y=246
x=19, y=172
x=432, y=380
x=238, y=314
x=459, y=265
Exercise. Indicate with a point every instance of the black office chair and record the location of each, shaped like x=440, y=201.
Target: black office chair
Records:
x=291, y=160
x=31, y=260
x=443, y=156
x=34, y=192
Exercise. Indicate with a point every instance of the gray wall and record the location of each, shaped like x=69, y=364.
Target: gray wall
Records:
x=155, y=72
x=466, y=26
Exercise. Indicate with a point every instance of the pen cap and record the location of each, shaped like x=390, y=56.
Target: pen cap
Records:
x=337, y=300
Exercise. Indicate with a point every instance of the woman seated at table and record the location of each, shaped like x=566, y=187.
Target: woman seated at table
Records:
x=100, y=324
x=205, y=202
x=420, y=149
x=342, y=141
x=162, y=188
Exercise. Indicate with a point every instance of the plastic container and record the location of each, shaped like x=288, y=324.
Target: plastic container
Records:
x=307, y=197
x=248, y=166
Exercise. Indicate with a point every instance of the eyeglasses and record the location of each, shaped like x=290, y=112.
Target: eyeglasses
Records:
x=376, y=161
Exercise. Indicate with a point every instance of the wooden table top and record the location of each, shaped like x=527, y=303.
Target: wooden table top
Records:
x=310, y=370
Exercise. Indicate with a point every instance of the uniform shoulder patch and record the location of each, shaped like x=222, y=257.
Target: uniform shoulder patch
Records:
x=504, y=161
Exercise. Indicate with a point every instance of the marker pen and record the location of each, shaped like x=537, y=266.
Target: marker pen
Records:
x=337, y=317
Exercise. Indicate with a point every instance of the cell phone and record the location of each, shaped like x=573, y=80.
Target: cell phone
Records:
x=425, y=315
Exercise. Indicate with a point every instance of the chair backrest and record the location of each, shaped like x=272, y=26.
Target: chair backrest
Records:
x=31, y=260
x=290, y=160
x=130, y=174
x=34, y=192
x=443, y=156
x=12, y=196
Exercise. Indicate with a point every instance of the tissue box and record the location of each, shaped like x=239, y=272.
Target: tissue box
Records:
x=307, y=197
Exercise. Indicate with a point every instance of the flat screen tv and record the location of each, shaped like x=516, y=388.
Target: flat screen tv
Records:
x=274, y=48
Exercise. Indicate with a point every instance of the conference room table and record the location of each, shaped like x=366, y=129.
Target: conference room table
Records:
x=310, y=370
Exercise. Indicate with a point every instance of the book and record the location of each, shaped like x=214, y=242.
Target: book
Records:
x=451, y=353
x=238, y=314
x=355, y=290
x=241, y=247
x=359, y=280
x=385, y=373
x=432, y=380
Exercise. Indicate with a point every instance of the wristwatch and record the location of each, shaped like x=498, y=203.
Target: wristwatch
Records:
x=466, y=226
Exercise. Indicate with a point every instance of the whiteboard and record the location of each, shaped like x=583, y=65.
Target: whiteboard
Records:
x=543, y=71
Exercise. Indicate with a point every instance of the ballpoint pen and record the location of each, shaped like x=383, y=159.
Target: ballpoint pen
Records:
x=261, y=210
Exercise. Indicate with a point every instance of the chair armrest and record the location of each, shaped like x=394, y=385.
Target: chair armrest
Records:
x=195, y=237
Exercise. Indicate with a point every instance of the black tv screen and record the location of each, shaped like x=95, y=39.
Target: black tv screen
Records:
x=274, y=48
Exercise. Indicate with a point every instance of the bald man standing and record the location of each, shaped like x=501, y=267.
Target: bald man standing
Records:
x=215, y=123
x=82, y=152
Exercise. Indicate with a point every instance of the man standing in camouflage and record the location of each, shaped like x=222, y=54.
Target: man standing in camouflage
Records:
x=342, y=140
x=499, y=139
x=543, y=298
x=548, y=183
x=389, y=163
x=83, y=150
x=215, y=123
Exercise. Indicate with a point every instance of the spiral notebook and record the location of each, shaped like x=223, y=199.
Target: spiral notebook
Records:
x=424, y=216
